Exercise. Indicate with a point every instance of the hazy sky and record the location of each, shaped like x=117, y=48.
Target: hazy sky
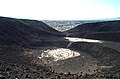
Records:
x=60, y=9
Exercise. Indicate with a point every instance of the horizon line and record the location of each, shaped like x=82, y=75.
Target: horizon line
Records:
x=117, y=18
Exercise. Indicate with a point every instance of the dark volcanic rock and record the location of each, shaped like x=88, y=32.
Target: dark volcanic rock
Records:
x=97, y=27
x=109, y=30
x=23, y=32
x=23, y=42
x=18, y=36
